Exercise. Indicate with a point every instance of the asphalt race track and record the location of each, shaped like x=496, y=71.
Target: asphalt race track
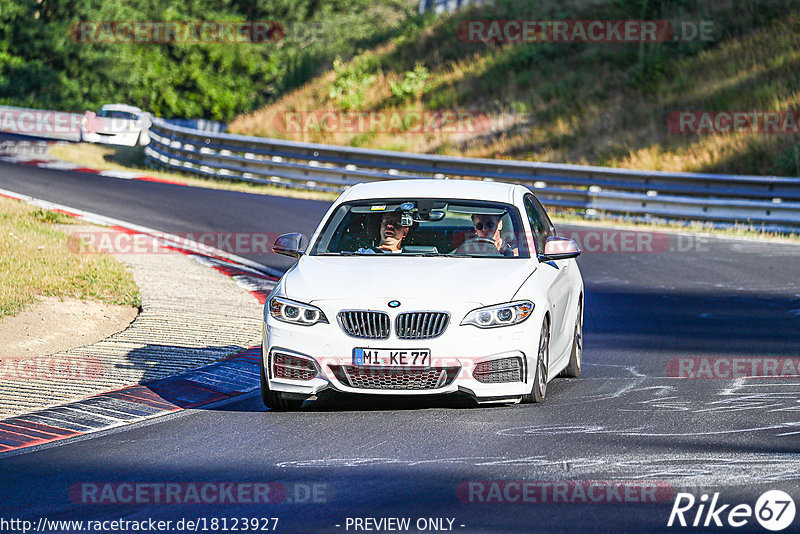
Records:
x=625, y=420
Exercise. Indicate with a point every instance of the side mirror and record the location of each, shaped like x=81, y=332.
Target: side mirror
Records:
x=559, y=248
x=288, y=245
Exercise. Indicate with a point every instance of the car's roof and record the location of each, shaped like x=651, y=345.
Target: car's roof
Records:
x=466, y=189
x=121, y=107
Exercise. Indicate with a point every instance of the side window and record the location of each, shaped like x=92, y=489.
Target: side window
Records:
x=541, y=226
x=551, y=230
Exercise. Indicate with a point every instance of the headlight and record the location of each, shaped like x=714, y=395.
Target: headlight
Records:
x=293, y=312
x=499, y=315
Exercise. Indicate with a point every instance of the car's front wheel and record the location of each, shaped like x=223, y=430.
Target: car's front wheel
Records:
x=539, y=387
x=274, y=400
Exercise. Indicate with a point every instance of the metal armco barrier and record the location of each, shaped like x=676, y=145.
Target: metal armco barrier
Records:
x=446, y=6
x=761, y=201
x=40, y=124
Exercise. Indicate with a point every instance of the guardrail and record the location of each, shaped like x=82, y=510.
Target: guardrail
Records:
x=761, y=201
x=39, y=124
x=446, y=6
x=769, y=202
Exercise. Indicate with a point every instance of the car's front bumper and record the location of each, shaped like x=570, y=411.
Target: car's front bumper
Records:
x=129, y=138
x=456, y=352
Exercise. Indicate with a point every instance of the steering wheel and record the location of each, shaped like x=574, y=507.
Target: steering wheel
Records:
x=363, y=243
x=482, y=246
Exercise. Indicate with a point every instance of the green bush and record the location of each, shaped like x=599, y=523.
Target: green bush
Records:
x=352, y=80
x=412, y=85
x=42, y=67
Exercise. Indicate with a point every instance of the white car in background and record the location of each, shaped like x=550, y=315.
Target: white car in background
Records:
x=452, y=312
x=116, y=124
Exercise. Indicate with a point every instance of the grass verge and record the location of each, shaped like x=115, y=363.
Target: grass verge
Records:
x=35, y=260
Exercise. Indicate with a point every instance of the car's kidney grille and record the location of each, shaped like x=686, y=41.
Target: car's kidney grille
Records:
x=365, y=324
x=399, y=379
x=421, y=325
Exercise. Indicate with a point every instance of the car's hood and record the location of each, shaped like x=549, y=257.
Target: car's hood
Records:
x=482, y=280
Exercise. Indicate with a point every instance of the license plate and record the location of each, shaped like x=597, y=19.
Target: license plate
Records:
x=392, y=357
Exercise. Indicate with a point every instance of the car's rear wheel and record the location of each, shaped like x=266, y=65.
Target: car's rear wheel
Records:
x=539, y=386
x=573, y=369
x=274, y=400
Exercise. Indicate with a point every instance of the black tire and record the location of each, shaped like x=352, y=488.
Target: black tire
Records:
x=573, y=369
x=539, y=385
x=274, y=400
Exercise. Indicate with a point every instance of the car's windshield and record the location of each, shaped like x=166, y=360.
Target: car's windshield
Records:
x=424, y=227
x=113, y=114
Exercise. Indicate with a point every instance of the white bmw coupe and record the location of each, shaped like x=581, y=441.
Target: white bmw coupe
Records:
x=418, y=287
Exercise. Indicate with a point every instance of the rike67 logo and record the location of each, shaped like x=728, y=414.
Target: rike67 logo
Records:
x=774, y=510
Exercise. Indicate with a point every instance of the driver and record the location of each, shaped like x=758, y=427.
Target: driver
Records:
x=392, y=233
x=488, y=227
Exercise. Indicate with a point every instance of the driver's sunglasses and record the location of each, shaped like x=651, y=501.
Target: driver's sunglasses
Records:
x=480, y=226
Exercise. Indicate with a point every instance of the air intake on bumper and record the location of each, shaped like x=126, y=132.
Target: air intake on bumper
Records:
x=397, y=379
x=502, y=370
x=292, y=367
